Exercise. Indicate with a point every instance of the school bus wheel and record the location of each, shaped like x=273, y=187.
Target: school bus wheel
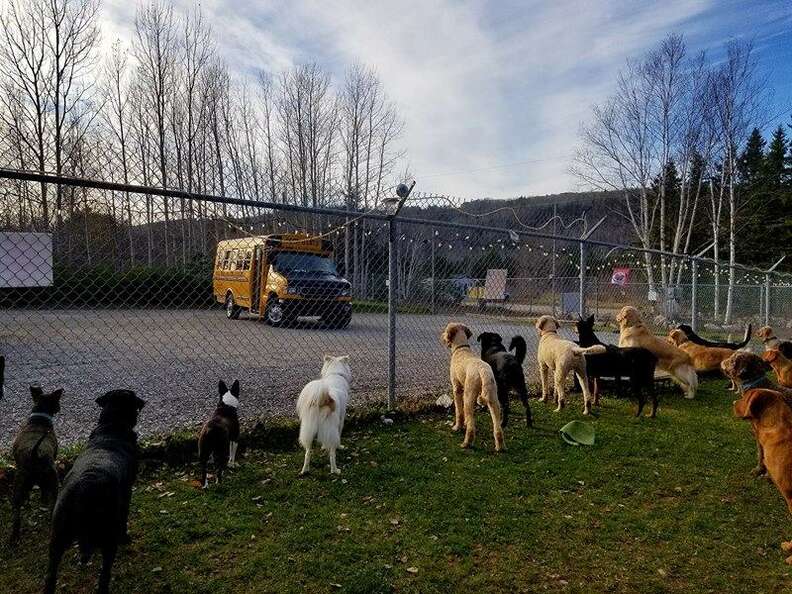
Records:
x=274, y=313
x=231, y=308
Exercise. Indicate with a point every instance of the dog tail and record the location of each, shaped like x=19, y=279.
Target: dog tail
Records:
x=519, y=347
x=315, y=407
x=746, y=339
x=214, y=441
x=597, y=349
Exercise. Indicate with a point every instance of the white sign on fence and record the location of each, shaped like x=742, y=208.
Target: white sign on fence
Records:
x=25, y=260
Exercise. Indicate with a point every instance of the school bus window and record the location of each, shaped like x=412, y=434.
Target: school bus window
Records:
x=232, y=260
x=226, y=259
x=239, y=258
x=247, y=259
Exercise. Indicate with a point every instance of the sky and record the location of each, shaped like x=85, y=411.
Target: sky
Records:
x=492, y=93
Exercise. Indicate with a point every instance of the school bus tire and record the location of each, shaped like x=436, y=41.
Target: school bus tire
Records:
x=271, y=316
x=232, y=309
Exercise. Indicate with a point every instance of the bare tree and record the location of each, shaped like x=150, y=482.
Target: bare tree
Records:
x=155, y=50
x=24, y=68
x=736, y=98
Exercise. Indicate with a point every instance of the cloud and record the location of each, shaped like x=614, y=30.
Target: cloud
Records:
x=492, y=92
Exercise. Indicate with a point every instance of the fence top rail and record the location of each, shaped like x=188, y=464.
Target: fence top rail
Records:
x=64, y=180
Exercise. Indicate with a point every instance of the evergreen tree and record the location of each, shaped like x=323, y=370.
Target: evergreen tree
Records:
x=775, y=161
x=751, y=163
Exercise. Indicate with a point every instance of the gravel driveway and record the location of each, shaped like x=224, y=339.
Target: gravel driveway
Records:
x=174, y=359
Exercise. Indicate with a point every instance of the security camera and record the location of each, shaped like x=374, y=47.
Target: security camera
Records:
x=402, y=190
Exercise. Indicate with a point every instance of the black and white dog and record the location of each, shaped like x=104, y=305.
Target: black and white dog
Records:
x=219, y=437
x=508, y=371
x=93, y=504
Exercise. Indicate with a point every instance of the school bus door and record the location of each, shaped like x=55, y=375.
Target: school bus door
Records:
x=259, y=280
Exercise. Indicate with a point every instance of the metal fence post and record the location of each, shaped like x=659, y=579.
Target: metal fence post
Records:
x=694, y=296
x=582, y=287
x=391, y=314
x=432, y=230
x=767, y=300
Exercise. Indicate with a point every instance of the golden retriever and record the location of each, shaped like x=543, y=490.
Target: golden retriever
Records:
x=634, y=333
x=704, y=358
x=472, y=381
x=771, y=419
x=558, y=357
x=781, y=366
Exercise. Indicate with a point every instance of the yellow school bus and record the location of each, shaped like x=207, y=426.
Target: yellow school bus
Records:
x=280, y=278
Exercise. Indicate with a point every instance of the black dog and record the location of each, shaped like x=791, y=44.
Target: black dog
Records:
x=635, y=363
x=93, y=506
x=695, y=338
x=508, y=370
x=35, y=450
x=219, y=437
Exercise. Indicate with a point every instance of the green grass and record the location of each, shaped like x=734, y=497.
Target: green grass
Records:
x=665, y=505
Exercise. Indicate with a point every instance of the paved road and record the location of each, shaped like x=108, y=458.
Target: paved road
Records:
x=174, y=360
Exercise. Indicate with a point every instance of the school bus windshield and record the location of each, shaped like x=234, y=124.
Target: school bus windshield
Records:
x=294, y=262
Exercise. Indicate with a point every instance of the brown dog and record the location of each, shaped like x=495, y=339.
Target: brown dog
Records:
x=35, y=450
x=472, y=381
x=748, y=372
x=634, y=333
x=781, y=366
x=704, y=358
x=557, y=357
x=771, y=419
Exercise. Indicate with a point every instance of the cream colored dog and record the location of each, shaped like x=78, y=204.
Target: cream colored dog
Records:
x=472, y=381
x=557, y=357
x=633, y=333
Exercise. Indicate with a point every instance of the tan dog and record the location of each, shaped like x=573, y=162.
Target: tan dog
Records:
x=771, y=419
x=633, y=333
x=472, y=381
x=768, y=337
x=704, y=358
x=781, y=366
x=558, y=357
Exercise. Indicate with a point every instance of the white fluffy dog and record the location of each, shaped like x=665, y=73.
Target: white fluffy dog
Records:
x=322, y=408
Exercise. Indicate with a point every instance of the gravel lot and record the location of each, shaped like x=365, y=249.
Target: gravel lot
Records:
x=174, y=359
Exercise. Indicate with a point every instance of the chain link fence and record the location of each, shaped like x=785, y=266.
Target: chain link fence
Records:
x=168, y=291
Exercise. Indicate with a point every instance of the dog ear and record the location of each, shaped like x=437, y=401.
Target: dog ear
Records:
x=235, y=389
x=57, y=394
x=344, y=358
x=478, y=338
x=590, y=319
x=36, y=392
x=104, y=399
x=327, y=358
x=753, y=403
x=468, y=331
x=139, y=402
x=222, y=388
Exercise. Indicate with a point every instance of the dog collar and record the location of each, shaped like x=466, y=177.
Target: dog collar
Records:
x=753, y=383
x=44, y=416
x=459, y=346
x=230, y=400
